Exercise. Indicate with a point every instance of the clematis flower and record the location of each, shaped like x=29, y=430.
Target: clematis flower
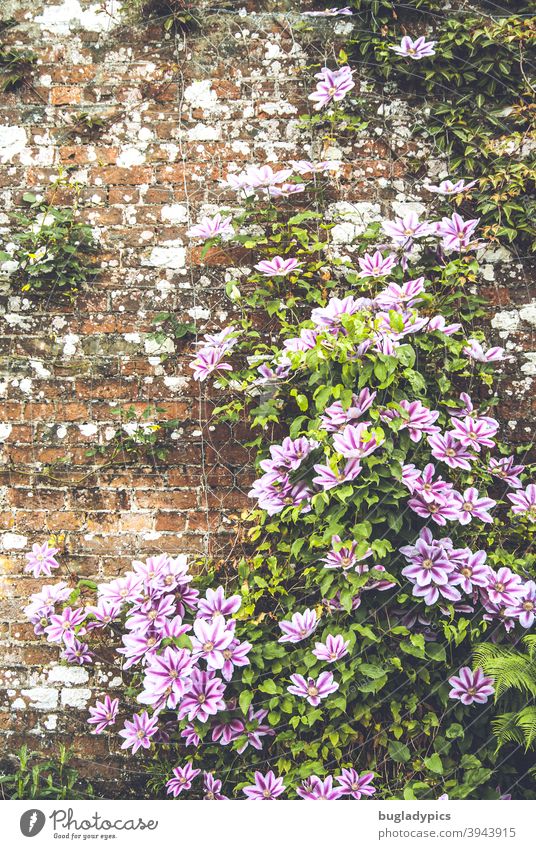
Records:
x=215, y=604
x=332, y=85
x=504, y=587
x=209, y=360
x=355, y=785
x=75, y=651
x=429, y=564
x=376, y=265
x=524, y=608
x=212, y=787
x=524, y=502
x=313, y=690
x=191, y=737
x=328, y=478
x=345, y=558
x=335, y=648
x=355, y=441
x=299, y=627
x=64, y=624
x=266, y=788
x=447, y=187
x=290, y=454
x=472, y=571
x=153, y=614
x=208, y=228
x=329, y=317
x=405, y=229
x=328, y=13
x=277, y=267
x=204, y=698
x=105, y=612
x=335, y=417
x=121, y=590
x=414, y=49
x=226, y=732
x=314, y=788
x=471, y=506
x=138, y=647
x=456, y=232
x=475, y=433
x=41, y=560
x=257, y=730
x=447, y=448
x=182, y=780
x=138, y=733
x=167, y=677
x=475, y=351
x=235, y=655
x=405, y=295
x=471, y=686
x=103, y=714
x=505, y=469
x=418, y=419
x=210, y=641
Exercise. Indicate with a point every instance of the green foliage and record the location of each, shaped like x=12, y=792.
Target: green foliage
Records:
x=15, y=64
x=138, y=436
x=479, y=87
x=174, y=14
x=52, y=251
x=514, y=671
x=35, y=778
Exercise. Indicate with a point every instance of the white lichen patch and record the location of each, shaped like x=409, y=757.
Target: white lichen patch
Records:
x=12, y=142
x=68, y=15
x=12, y=542
x=76, y=697
x=175, y=213
x=201, y=94
x=171, y=255
x=42, y=698
x=5, y=430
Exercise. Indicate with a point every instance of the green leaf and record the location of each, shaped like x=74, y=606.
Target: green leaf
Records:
x=434, y=764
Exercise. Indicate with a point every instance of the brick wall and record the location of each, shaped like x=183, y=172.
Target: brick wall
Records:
x=179, y=113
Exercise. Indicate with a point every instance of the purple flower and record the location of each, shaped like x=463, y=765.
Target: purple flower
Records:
x=441, y=510
x=139, y=646
x=456, y=232
x=235, y=655
x=41, y=560
x=184, y=775
x=418, y=419
x=122, y=590
x=167, y=677
x=471, y=506
x=335, y=648
x=447, y=187
x=504, y=587
x=64, y=624
x=228, y=731
x=138, y=733
x=336, y=417
x=204, y=698
x=355, y=441
x=316, y=789
x=75, y=651
x=524, y=607
x=418, y=49
x=212, y=787
x=330, y=316
x=211, y=638
x=313, y=690
x=215, y=604
x=376, y=265
x=104, y=612
x=471, y=571
x=355, y=785
x=405, y=295
x=277, y=267
x=471, y=686
x=328, y=13
x=447, y=448
x=153, y=613
x=524, y=502
x=429, y=564
x=103, y=714
x=506, y=471
x=266, y=787
x=190, y=735
x=403, y=230
x=208, y=360
x=290, y=454
x=344, y=557
x=328, y=478
x=208, y=228
x=257, y=730
x=299, y=627
x=475, y=433
x=332, y=85
x=475, y=351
